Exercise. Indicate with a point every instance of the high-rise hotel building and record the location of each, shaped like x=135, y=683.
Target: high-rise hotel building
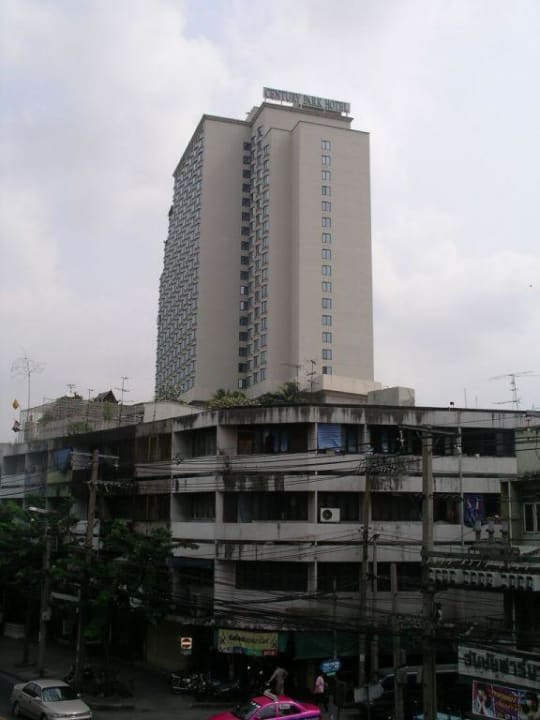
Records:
x=267, y=267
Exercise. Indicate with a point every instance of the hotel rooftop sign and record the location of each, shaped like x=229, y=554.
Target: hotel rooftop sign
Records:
x=306, y=101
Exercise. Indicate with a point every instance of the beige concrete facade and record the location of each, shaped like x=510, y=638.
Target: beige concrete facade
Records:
x=267, y=270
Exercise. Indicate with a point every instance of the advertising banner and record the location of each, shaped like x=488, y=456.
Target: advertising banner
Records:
x=247, y=642
x=504, y=703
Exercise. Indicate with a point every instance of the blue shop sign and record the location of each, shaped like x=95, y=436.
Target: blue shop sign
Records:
x=330, y=667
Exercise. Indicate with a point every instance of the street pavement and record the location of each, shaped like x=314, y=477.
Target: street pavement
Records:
x=152, y=699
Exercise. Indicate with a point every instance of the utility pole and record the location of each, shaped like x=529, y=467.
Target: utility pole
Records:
x=88, y=544
x=396, y=646
x=44, y=611
x=362, y=640
x=429, y=678
x=374, y=589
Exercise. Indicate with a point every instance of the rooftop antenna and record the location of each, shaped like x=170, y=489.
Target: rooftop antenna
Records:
x=513, y=386
x=311, y=375
x=27, y=367
x=123, y=390
x=297, y=368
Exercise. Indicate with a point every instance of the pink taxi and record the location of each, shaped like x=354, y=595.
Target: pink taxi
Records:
x=270, y=706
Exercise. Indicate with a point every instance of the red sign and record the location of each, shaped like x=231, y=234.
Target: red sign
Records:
x=186, y=643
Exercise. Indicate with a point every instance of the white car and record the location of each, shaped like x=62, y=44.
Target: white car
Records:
x=48, y=699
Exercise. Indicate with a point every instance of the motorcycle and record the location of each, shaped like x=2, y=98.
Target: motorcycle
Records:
x=183, y=683
x=207, y=689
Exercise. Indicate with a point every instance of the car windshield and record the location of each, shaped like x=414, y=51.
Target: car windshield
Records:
x=246, y=711
x=56, y=694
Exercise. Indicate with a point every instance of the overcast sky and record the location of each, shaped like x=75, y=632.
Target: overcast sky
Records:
x=100, y=97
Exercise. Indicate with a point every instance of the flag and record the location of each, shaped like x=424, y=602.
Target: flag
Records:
x=15, y=404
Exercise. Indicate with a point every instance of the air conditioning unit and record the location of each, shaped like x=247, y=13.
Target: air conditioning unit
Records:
x=330, y=515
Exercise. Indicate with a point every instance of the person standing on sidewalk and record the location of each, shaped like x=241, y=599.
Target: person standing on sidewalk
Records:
x=320, y=691
x=278, y=677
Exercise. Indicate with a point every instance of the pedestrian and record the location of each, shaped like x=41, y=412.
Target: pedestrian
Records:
x=278, y=678
x=320, y=691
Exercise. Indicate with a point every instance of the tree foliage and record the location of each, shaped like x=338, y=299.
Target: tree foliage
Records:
x=21, y=549
x=228, y=398
x=288, y=394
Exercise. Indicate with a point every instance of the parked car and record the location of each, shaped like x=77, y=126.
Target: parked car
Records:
x=45, y=699
x=270, y=706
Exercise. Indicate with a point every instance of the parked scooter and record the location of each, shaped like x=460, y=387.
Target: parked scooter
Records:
x=184, y=683
x=207, y=689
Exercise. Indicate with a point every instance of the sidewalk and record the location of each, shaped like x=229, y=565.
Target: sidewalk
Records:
x=58, y=661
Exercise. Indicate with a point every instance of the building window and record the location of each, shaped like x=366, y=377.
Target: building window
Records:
x=262, y=374
x=264, y=306
x=244, y=304
x=326, y=190
x=327, y=337
x=325, y=145
x=327, y=354
x=244, y=260
x=326, y=369
x=531, y=517
x=326, y=254
x=270, y=576
x=326, y=238
x=246, y=174
x=326, y=319
x=326, y=286
x=326, y=222
x=327, y=270
x=246, y=187
x=264, y=291
x=243, y=289
x=247, y=146
x=326, y=175
x=263, y=340
x=325, y=159
x=242, y=336
x=242, y=367
x=326, y=303
x=262, y=357
x=326, y=206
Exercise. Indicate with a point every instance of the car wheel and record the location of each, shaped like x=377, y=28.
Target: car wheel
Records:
x=16, y=710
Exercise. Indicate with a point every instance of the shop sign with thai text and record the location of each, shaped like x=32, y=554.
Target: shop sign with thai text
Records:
x=247, y=642
x=516, y=669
